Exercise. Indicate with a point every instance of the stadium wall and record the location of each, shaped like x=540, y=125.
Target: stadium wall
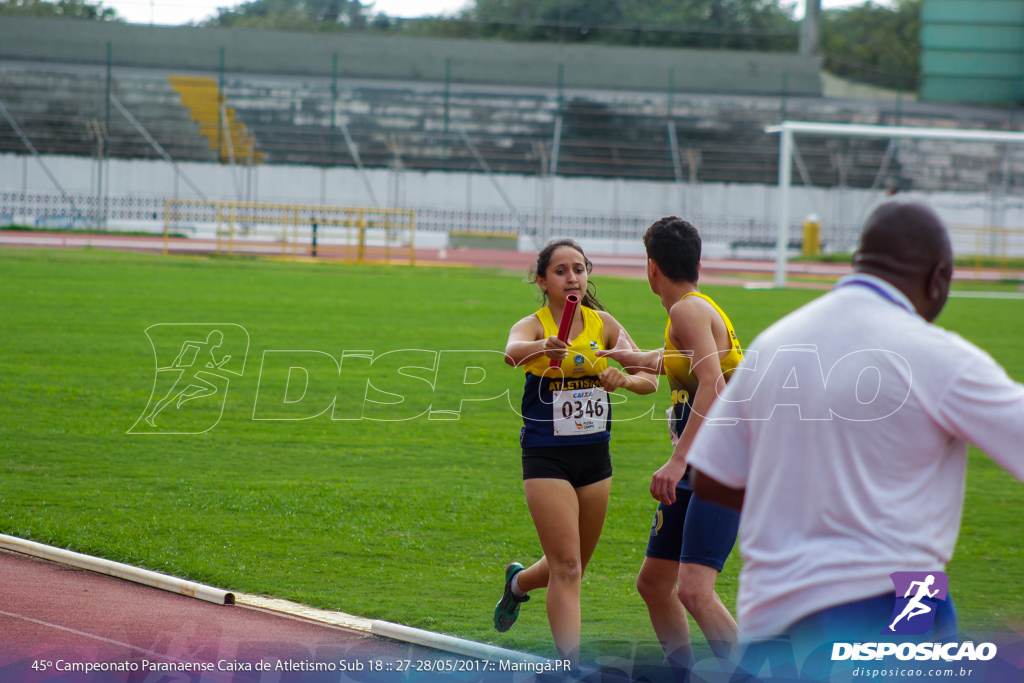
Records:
x=972, y=51
x=414, y=189
x=417, y=59
x=614, y=212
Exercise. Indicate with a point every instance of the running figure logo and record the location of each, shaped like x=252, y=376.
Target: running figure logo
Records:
x=914, y=612
x=189, y=392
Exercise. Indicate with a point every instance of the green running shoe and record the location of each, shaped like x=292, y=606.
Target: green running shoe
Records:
x=507, y=610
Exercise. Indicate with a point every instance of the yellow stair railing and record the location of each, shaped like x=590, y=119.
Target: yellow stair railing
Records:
x=203, y=99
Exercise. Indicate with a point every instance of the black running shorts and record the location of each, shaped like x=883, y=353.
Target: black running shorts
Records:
x=579, y=465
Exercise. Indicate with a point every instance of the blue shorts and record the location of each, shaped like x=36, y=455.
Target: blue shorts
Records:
x=693, y=530
x=805, y=650
x=861, y=619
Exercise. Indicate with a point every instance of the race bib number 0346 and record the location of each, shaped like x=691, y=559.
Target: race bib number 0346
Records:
x=580, y=411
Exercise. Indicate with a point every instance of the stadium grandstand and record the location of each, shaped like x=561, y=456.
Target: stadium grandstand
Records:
x=534, y=140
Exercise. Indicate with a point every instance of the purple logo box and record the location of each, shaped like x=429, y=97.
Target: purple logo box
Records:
x=917, y=598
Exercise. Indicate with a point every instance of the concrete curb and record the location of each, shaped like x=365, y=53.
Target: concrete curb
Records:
x=385, y=629
x=300, y=611
x=438, y=641
x=121, y=571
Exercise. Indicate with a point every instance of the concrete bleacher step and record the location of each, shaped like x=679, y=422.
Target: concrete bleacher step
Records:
x=55, y=107
x=217, y=123
x=603, y=134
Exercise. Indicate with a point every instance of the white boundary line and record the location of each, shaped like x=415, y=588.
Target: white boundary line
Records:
x=83, y=634
x=386, y=629
x=92, y=636
x=987, y=295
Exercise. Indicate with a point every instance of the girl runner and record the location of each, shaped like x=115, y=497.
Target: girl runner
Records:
x=566, y=429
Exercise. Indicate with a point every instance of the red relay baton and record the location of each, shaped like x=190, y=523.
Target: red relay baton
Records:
x=571, y=302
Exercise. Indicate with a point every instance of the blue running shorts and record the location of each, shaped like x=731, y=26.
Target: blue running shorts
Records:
x=693, y=530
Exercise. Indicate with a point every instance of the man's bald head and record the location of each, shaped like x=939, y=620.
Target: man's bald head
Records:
x=907, y=245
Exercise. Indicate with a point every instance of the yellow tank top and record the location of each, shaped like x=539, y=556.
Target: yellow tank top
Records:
x=580, y=361
x=678, y=368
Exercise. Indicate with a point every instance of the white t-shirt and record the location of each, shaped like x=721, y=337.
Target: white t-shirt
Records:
x=847, y=424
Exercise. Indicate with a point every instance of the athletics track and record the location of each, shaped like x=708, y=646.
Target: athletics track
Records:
x=62, y=624
x=736, y=272
x=53, y=613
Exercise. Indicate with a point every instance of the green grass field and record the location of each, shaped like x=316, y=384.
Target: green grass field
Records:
x=409, y=521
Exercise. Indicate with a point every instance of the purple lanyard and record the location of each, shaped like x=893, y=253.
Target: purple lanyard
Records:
x=871, y=285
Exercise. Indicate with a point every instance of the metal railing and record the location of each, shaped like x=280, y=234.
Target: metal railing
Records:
x=357, y=234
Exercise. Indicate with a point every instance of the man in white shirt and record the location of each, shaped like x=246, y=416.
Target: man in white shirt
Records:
x=843, y=435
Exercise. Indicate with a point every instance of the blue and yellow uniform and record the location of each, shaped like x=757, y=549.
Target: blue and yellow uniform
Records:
x=692, y=529
x=679, y=369
x=566, y=414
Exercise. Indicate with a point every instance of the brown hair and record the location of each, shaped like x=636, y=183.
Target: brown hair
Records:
x=540, y=267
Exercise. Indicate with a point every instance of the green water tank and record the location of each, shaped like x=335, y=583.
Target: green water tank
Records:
x=972, y=51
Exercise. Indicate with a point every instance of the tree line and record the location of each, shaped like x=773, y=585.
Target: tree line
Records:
x=866, y=42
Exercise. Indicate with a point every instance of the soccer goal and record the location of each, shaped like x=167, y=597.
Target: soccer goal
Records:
x=989, y=233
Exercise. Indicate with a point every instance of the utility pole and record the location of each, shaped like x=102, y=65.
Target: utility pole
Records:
x=810, y=29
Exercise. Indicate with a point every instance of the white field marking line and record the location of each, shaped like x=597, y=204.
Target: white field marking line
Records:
x=93, y=636
x=83, y=633
x=198, y=245
x=987, y=295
